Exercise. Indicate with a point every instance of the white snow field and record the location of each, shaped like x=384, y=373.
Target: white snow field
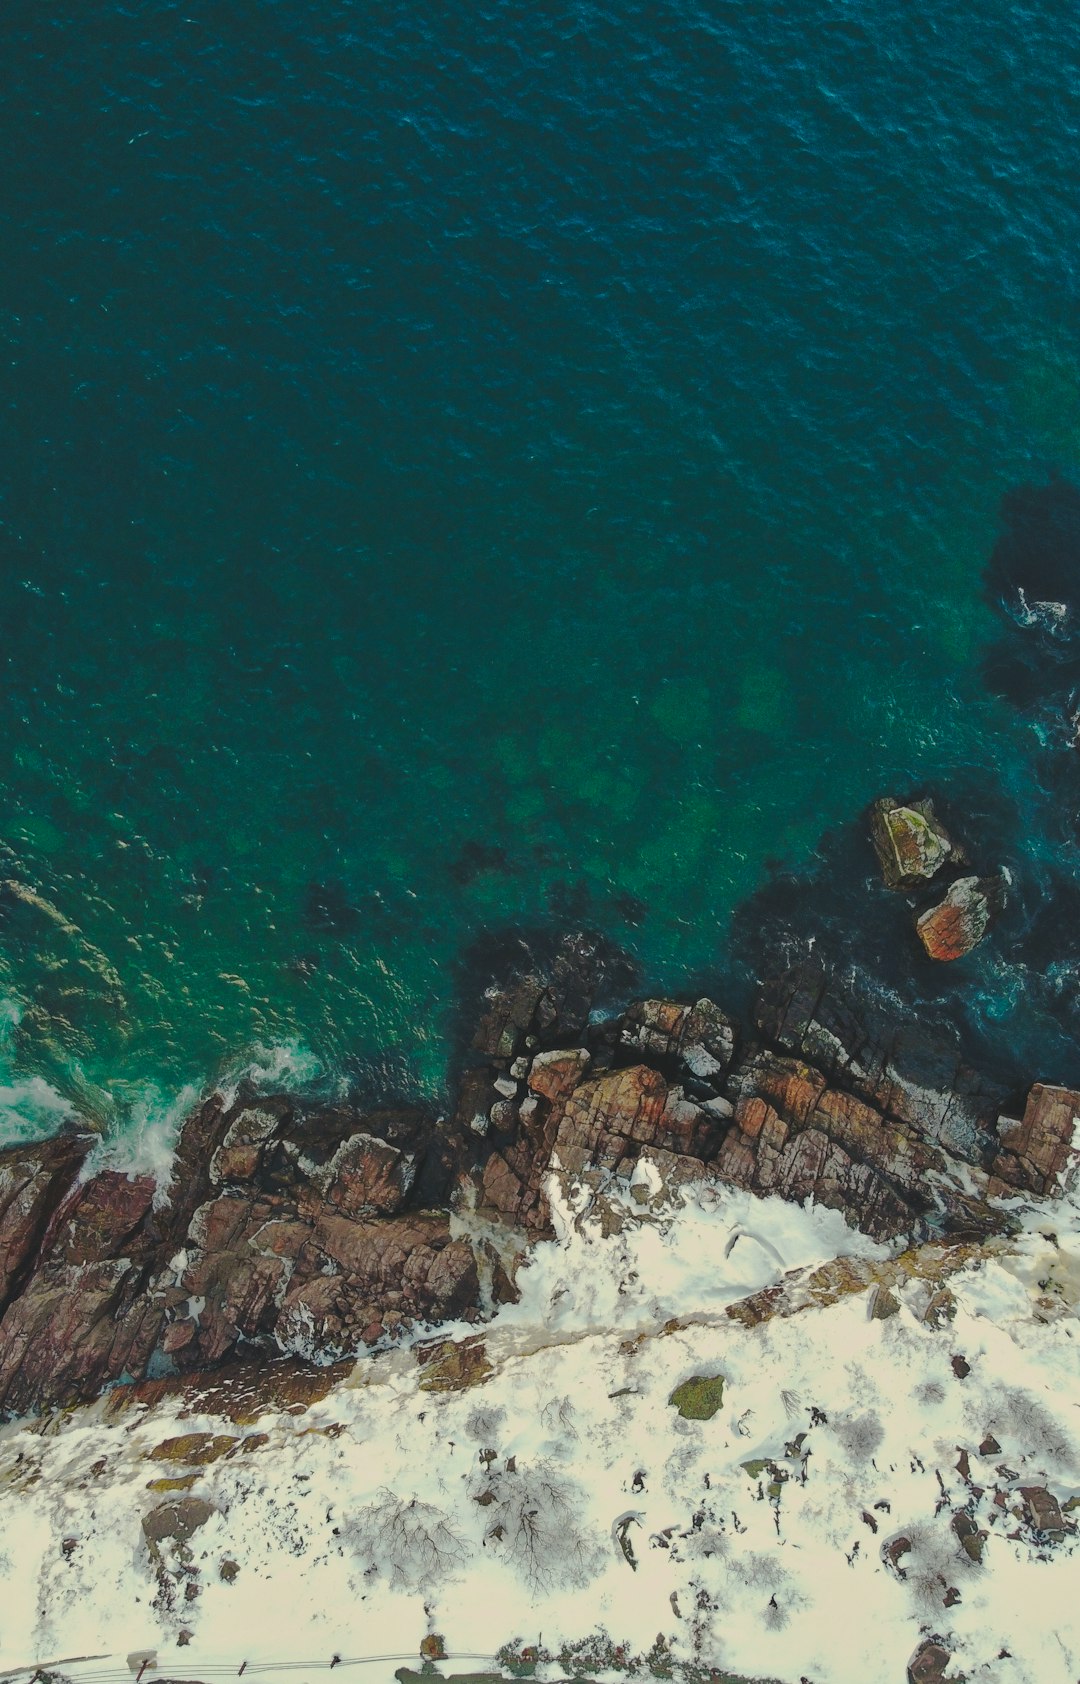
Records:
x=804, y=1532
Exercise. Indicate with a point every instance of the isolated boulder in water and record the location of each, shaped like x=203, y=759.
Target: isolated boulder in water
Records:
x=910, y=841
x=958, y=923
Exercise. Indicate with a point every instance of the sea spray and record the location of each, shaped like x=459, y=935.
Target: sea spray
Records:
x=30, y=1107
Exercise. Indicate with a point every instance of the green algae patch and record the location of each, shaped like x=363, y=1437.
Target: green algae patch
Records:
x=450, y=1366
x=197, y=1448
x=698, y=1398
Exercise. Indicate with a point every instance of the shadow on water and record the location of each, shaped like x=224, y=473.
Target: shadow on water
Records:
x=589, y=972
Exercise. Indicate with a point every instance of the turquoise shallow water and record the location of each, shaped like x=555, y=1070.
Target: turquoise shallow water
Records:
x=465, y=469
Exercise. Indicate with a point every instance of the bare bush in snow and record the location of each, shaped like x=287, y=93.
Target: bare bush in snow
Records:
x=860, y=1435
x=485, y=1424
x=700, y=1544
x=933, y=1564
x=410, y=1543
x=758, y=1570
x=557, y=1416
x=533, y=1517
x=1026, y=1427
x=776, y=1615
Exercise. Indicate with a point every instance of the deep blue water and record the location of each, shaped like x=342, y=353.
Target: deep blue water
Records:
x=475, y=467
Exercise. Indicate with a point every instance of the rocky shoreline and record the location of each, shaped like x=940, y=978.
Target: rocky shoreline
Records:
x=317, y=1232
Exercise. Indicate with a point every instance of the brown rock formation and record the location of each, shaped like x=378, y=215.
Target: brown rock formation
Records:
x=33, y=1180
x=312, y=1232
x=284, y=1229
x=959, y=921
x=1038, y=1151
x=699, y=1038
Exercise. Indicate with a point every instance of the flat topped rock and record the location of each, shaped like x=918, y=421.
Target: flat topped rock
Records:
x=958, y=923
x=929, y=1664
x=910, y=841
x=1038, y=1151
x=699, y=1398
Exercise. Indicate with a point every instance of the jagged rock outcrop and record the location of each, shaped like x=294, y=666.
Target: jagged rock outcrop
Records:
x=917, y=855
x=910, y=841
x=33, y=1181
x=957, y=924
x=698, y=1039
x=314, y=1231
x=869, y=1048
x=1038, y=1152
x=286, y=1229
x=90, y=1311
x=578, y=1121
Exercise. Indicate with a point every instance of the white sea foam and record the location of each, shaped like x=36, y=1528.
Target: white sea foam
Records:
x=1052, y=615
x=30, y=1107
x=143, y=1140
x=285, y=1065
x=149, y=1118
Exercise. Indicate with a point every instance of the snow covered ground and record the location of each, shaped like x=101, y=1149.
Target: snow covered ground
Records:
x=565, y=1496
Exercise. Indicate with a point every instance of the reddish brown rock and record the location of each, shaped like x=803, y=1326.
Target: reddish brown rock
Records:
x=33, y=1180
x=555, y=1075
x=366, y=1176
x=314, y=1315
x=317, y=1230
x=1043, y=1512
x=959, y=921
x=240, y=1292
x=1037, y=1152
x=628, y=1108
x=241, y=1152
x=902, y=1067
x=74, y=1329
x=796, y=1135
x=84, y=1316
x=105, y=1217
x=501, y=1189
x=698, y=1038
x=203, y=1132
x=929, y=1663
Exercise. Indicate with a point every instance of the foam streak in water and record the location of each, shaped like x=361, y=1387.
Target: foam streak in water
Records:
x=30, y=1107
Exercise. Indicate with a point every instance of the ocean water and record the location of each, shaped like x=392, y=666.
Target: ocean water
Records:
x=469, y=468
